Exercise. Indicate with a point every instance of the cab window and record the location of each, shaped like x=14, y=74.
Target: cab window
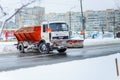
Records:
x=45, y=26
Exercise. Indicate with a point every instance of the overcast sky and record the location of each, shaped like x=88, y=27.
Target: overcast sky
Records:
x=64, y=5
x=74, y=5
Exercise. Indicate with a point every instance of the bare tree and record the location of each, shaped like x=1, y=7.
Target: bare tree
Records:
x=4, y=13
x=117, y=3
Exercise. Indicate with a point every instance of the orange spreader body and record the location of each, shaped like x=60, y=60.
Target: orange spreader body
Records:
x=32, y=34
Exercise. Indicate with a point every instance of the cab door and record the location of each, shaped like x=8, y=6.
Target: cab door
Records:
x=45, y=33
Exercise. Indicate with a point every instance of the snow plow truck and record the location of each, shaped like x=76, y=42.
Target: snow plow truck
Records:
x=45, y=38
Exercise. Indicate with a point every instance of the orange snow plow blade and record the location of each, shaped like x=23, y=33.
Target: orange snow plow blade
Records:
x=74, y=43
x=69, y=43
x=28, y=34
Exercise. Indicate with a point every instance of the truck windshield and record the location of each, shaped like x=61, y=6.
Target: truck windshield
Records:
x=58, y=26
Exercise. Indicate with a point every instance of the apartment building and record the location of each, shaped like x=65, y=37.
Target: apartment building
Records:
x=95, y=20
x=102, y=20
x=30, y=16
x=113, y=19
x=72, y=18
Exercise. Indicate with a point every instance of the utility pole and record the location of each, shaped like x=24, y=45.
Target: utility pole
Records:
x=70, y=24
x=70, y=19
x=19, y=19
x=114, y=25
x=83, y=25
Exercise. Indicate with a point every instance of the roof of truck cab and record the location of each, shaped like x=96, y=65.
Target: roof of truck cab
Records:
x=54, y=22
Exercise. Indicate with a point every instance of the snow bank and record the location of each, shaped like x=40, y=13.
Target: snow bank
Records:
x=94, y=42
x=101, y=68
x=7, y=47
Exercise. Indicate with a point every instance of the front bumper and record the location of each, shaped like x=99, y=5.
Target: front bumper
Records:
x=68, y=43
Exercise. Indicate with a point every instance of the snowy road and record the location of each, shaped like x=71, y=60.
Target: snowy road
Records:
x=16, y=61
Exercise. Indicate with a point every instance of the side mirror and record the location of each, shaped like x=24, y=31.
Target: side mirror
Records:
x=48, y=30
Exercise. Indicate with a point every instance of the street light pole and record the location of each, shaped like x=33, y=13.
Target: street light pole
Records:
x=114, y=25
x=70, y=16
x=70, y=19
x=83, y=25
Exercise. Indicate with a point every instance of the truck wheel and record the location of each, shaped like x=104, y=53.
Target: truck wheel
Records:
x=62, y=50
x=43, y=48
x=21, y=48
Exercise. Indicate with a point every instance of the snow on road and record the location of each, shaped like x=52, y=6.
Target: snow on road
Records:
x=9, y=47
x=101, y=68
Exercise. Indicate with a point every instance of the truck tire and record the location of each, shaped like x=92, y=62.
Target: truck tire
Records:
x=62, y=50
x=43, y=48
x=21, y=48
